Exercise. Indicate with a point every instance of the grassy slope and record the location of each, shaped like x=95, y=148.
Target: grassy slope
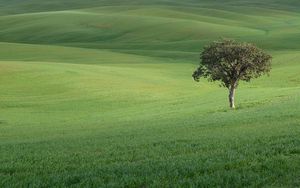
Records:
x=119, y=108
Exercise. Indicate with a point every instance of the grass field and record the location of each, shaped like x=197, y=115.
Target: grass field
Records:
x=100, y=94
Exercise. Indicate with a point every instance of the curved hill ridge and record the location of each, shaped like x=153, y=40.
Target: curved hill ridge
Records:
x=161, y=27
x=19, y=6
x=99, y=93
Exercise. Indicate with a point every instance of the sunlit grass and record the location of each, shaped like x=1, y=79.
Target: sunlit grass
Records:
x=103, y=96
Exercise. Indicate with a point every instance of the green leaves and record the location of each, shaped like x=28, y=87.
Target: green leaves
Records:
x=229, y=62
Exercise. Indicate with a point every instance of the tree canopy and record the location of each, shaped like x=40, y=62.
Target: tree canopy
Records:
x=229, y=61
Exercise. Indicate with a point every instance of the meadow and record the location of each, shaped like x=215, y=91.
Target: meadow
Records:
x=100, y=94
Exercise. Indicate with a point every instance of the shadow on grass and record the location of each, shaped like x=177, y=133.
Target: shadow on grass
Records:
x=250, y=105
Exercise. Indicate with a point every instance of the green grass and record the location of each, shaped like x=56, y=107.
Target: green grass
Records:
x=100, y=94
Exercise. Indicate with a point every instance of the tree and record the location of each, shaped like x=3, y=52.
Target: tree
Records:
x=229, y=62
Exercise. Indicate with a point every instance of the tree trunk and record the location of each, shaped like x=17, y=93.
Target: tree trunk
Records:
x=231, y=97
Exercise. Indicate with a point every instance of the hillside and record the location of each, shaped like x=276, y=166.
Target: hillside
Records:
x=99, y=93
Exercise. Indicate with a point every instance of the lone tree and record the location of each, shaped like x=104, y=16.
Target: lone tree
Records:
x=229, y=62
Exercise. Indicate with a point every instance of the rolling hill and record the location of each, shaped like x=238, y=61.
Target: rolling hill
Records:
x=99, y=93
